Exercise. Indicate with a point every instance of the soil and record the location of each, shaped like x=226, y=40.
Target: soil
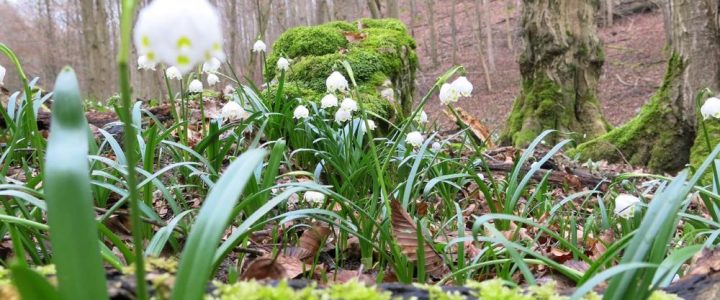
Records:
x=634, y=65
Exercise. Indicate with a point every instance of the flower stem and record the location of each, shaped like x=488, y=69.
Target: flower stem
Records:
x=128, y=8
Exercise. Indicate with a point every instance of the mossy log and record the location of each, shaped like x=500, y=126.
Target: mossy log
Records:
x=380, y=52
x=560, y=68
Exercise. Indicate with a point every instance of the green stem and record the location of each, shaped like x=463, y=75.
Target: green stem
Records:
x=128, y=8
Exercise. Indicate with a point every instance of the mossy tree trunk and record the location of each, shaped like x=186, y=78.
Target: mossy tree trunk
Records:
x=662, y=135
x=560, y=68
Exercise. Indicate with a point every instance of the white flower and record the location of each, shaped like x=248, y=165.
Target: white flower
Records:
x=349, y=105
x=342, y=116
x=481, y=176
x=370, y=123
x=2, y=75
x=228, y=89
x=283, y=64
x=314, y=197
x=448, y=94
x=711, y=108
x=173, y=73
x=463, y=86
x=301, y=112
x=625, y=205
x=180, y=33
x=212, y=79
x=388, y=94
x=195, y=86
x=259, y=46
x=233, y=111
x=145, y=64
x=328, y=101
x=436, y=147
x=414, y=138
x=211, y=66
x=336, y=82
x=422, y=117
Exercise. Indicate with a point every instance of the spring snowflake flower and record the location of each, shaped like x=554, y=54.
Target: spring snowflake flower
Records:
x=301, y=112
x=314, y=197
x=145, y=64
x=463, y=86
x=173, y=73
x=233, y=111
x=422, y=117
x=336, y=82
x=180, y=33
x=211, y=66
x=259, y=46
x=625, y=205
x=228, y=89
x=436, y=147
x=711, y=108
x=349, y=105
x=415, y=139
x=342, y=116
x=283, y=64
x=195, y=86
x=328, y=101
x=370, y=125
x=212, y=79
x=2, y=75
x=388, y=94
x=448, y=94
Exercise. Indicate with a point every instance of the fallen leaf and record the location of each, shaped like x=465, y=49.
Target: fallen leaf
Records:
x=282, y=267
x=406, y=235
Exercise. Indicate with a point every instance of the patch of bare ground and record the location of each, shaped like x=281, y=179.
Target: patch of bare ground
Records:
x=634, y=66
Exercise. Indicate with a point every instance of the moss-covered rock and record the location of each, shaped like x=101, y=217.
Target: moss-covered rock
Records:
x=657, y=137
x=377, y=50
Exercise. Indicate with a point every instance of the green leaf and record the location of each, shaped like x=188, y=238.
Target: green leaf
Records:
x=196, y=261
x=73, y=230
x=31, y=285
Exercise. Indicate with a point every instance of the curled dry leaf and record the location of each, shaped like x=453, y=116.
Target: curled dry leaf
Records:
x=405, y=233
x=282, y=267
x=310, y=242
x=479, y=130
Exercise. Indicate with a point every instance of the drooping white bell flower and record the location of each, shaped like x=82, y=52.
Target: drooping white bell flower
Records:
x=342, y=116
x=625, y=205
x=370, y=125
x=259, y=46
x=2, y=75
x=415, y=139
x=711, y=108
x=422, y=117
x=448, y=94
x=314, y=197
x=463, y=86
x=233, y=111
x=228, y=89
x=349, y=105
x=145, y=64
x=388, y=94
x=173, y=73
x=436, y=147
x=211, y=66
x=328, y=101
x=183, y=33
x=283, y=64
x=336, y=82
x=195, y=86
x=301, y=112
x=212, y=79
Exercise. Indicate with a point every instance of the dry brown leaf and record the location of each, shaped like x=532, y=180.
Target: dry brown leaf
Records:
x=282, y=267
x=311, y=240
x=354, y=37
x=478, y=128
x=706, y=262
x=405, y=233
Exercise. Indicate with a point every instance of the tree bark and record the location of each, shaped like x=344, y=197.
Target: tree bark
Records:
x=433, y=32
x=662, y=135
x=453, y=32
x=488, y=34
x=374, y=9
x=560, y=68
x=393, y=9
x=95, y=35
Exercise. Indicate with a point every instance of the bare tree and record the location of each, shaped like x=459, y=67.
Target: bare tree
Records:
x=433, y=33
x=95, y=33
x=487, y=25
x=453, y=32
x=374, y=9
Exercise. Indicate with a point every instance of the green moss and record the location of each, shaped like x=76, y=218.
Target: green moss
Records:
x=655, y=138
x=385, y=52
x=538, y=106
x=700, y=149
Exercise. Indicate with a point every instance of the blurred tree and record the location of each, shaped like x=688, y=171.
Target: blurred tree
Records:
x=97, y=43
x=560, y=68
x=433, y=32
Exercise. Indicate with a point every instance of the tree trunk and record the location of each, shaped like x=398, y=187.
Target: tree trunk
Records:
x=433, y=32
x=488, y=34
x=393, y=9
x=560, y=68
x=95, y=35
x=321, y=12
x=374, y=9
x=662, y=135
x=453, y=32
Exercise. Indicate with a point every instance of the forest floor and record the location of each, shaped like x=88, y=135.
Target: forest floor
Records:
x=633, y=70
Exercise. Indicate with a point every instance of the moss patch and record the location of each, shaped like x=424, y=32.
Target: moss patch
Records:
x=377, y=50
x=656, y=138
x=700, y=149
